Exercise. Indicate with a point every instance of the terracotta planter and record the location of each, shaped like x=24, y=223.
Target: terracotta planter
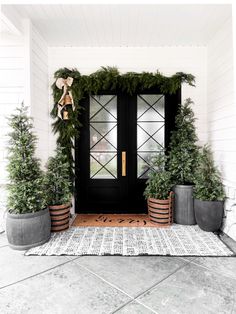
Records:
x=60, y=216
x=161, y=211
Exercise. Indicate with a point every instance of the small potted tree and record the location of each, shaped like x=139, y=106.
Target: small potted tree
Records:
x=208, y=192
x=28, y=219
x=158, y=193
x=58, y=188
x=182, y=163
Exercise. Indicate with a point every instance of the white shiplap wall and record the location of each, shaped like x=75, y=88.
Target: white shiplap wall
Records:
x=221, y=111
x=39, y=91
x=23, y=77
x=168, y=60
x=11, y=95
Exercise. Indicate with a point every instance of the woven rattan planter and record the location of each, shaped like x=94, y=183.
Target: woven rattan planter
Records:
x=60, y=216
x=161, y=211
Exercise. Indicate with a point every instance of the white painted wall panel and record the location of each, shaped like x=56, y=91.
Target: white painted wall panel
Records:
x=11, y=95
x=221, y=110
x=40, y=92
x=11, y=86
x=23, y=71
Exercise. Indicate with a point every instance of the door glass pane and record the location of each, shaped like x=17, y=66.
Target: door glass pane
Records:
x=150, y=136
x=103, y=165
x=103, y=108
x=151, y=108
x=103, y=137
x=145, y=161
x=150, y=131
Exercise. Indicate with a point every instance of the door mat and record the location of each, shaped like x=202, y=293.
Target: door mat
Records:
x=112, y=220
x=177, y=240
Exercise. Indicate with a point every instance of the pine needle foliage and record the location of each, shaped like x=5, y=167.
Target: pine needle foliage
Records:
x=25, y=190
x=159, y=184
x=183, y=148
x=57, y=181
x=106, y=78
x=208, y=182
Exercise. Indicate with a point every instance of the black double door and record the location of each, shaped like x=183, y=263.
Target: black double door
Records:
x=120, y=136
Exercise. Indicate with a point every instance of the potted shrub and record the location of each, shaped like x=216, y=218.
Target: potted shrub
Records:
x=209, y=192
x=158, y=193
x=58, y=188
x=182, y=163
x=28, y=219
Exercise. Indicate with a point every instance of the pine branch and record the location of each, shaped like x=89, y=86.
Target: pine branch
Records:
x=183, y=148
x=26, y=178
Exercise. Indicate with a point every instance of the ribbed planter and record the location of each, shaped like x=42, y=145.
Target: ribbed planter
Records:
x=25, y=231
x=184, y=212
x=209, y=214
x=161, y=211
x=60, y=216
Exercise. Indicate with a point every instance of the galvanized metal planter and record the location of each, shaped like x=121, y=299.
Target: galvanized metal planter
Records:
x=184, y=211
x=25, y=231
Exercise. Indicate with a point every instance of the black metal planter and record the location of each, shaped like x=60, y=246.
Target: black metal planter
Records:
x=209, y=214
x=25, y=231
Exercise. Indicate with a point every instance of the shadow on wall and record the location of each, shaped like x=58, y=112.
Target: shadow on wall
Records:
x=229, y=223
x=3, y=200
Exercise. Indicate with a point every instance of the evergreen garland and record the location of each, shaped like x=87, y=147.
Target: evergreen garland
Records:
x=25, y=191
x=207, y=178
x=107, y=78
x=183, y=148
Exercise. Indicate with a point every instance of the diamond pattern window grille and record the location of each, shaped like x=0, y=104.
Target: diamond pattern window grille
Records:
x=150, y=131
x=103, y=137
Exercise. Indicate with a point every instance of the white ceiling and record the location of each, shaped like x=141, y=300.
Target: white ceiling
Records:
x=4, y=26
x=126, y=25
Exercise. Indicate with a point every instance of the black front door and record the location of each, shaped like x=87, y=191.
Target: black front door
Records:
x=119, y=137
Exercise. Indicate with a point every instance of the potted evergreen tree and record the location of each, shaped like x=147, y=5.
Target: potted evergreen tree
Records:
x=28, y=219
x=158, y=193
x=58, y=188
x=182, y=163
x=209, y=192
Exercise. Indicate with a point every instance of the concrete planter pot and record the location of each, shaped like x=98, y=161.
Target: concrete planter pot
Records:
x=25, y=231
x=183, y=207
x=209, y=214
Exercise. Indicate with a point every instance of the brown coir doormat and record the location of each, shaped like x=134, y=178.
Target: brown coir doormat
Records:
x=112, y=220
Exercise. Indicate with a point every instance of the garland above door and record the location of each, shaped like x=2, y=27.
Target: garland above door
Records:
x=70, y=87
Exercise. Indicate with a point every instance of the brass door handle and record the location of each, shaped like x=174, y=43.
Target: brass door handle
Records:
x=123, y=157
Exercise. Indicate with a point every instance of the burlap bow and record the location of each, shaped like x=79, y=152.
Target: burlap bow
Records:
x=62, y=83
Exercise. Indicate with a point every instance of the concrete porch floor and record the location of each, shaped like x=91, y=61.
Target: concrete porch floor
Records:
x=112, y=284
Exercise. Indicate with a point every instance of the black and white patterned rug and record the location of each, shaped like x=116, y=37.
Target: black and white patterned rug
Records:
x=178, y=240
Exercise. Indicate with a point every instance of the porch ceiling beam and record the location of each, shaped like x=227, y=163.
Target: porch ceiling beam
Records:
x=11, y=18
